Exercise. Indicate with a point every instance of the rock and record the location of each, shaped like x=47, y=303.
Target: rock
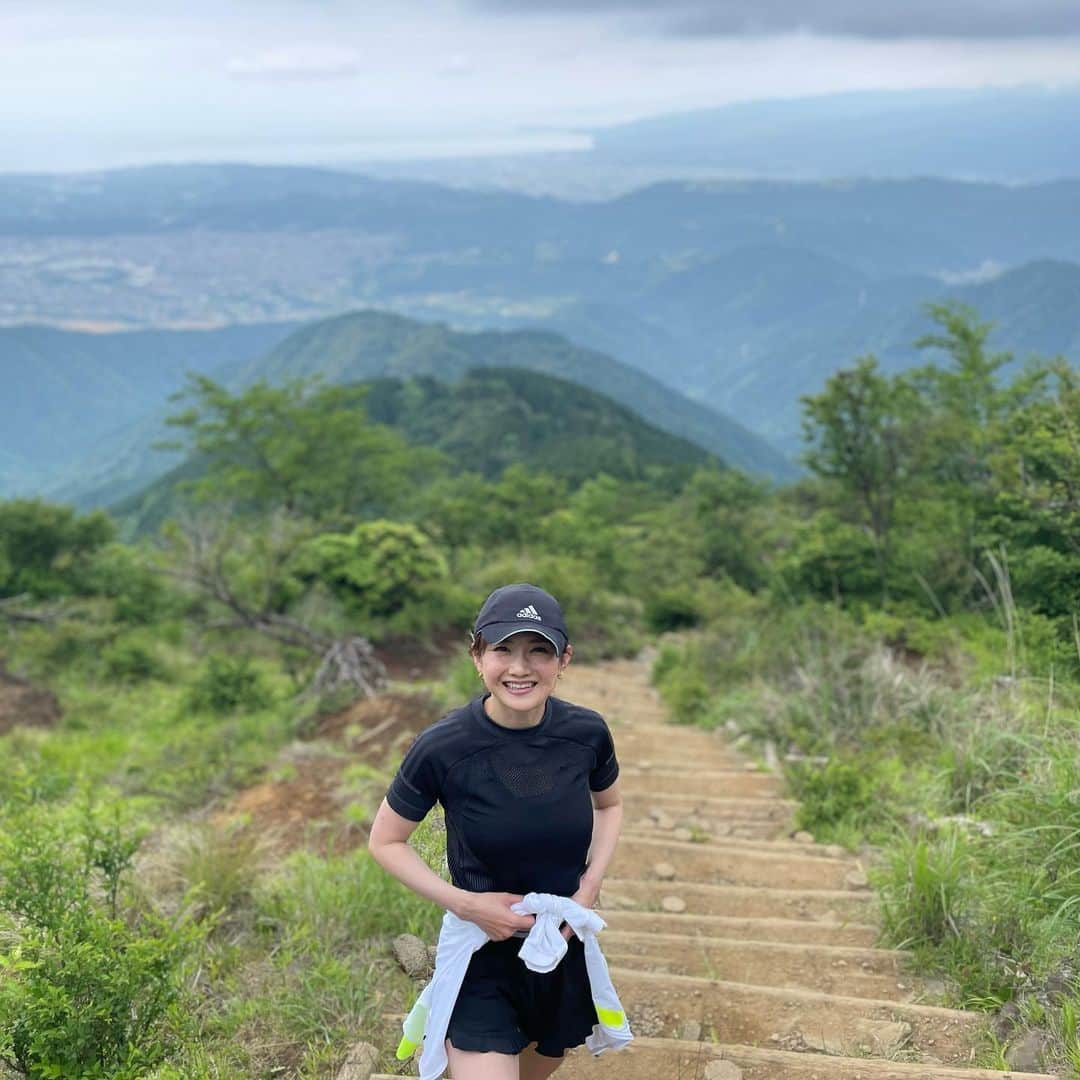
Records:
x=684, y=836
x=721, y=828
x=691, y=1031
x=413, y=956
x=884, y=1038
x=647, y=1021
x=359, y=1063
x=1027, y=1055
x=664, y=871
x=856, y=879
x=835, y=851
x=662, y=821
x=723, y=1070
x=676, y=905
x=772, y=759
x=803, y=837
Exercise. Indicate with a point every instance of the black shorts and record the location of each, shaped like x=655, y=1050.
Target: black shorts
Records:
x=503, y=1006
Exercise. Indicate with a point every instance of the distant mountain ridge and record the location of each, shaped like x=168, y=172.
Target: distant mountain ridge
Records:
x=738, y=295
x=369, y=345
x=1011, y=134
x=67, y=394
x=488, y=420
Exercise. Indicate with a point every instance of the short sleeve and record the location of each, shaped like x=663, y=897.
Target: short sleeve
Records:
x=415, y=788
x=606, y=770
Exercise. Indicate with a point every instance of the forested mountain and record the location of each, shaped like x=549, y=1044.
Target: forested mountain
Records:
x=369, y=345
x=757, y=328
x=487, y=421
x=66, y=394
x=740, y=295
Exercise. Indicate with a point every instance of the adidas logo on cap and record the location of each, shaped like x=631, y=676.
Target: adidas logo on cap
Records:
x=529, y=613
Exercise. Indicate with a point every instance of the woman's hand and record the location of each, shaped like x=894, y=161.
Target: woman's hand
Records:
x=491, y=912
x=587, y=894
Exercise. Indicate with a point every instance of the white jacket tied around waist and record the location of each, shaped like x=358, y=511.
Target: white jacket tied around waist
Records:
x=541, y=951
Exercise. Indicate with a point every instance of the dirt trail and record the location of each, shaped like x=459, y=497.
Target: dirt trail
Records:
x=737, y=951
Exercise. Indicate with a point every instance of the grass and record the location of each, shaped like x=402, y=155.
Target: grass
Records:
x=967, y=780
x=293, y=963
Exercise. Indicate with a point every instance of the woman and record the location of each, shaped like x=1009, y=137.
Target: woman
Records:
x=529, y=787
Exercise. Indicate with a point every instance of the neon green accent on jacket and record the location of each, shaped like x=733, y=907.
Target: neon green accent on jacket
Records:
x=612, y=1018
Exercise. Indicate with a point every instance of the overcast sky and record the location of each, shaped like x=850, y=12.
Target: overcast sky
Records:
x=87, y=86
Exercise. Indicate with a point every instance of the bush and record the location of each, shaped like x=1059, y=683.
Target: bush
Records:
x=673, y=609
x=132, y=660
x=87, y=986
x=227, y=684
x=139, y=595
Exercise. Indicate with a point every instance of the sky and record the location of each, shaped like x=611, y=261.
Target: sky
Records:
x=121, y=82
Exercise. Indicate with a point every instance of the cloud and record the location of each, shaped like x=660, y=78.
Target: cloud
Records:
x=875, y=19
x=299, y=63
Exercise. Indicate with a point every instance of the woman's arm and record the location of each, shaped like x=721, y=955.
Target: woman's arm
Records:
x=607, y=821
x=389, y=847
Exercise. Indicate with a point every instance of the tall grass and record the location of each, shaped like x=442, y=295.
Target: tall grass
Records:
x=966, y=778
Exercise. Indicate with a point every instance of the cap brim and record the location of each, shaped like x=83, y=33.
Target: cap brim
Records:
x=493, y=633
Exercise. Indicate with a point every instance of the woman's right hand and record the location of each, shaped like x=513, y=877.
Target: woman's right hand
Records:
x=491, y=912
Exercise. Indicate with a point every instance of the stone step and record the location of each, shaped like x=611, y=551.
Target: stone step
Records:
x=779, y=845
x=679, y=1059
x=793, y=931
x=793, y=1019
x=713, y=783
x=715, y=808
x=719, y=864
x=832, y=969
x=735, y=901
x=700, y=829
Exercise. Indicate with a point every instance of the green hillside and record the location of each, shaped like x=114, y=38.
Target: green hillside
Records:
x=368, y=345
x=497, y=417
x=489, y=420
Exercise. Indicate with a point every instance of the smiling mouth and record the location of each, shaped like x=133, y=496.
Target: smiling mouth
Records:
x=519, y=688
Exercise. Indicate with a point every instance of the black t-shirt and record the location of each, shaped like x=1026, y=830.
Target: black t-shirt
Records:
x=517, y=801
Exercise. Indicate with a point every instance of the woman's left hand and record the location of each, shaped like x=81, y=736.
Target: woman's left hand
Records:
x=587, y=895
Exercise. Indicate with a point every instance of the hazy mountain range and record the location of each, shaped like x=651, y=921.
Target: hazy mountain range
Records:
x=731, y=297
x=999, y=134
x=370, y=345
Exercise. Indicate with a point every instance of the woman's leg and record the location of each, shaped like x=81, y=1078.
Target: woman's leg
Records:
x=535, y=1066
x=471, y=1065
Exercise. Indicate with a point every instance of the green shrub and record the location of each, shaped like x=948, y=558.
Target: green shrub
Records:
x=227, y=684
x=132, y=660
x=87, y=985
x=139, y=595
x=839, y=793
x=673, y=609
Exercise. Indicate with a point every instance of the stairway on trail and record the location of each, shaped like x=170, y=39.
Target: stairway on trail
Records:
x=737, y=951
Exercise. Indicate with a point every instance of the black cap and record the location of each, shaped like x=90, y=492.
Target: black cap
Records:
x=513, y=609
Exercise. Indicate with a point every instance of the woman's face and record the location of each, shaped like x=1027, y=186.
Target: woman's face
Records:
x=520, y=673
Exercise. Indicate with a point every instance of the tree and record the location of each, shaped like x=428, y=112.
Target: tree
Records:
x=242, y=571
x=301, y=447
x=861, y=435
x=376, y=569
x=44, y=547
